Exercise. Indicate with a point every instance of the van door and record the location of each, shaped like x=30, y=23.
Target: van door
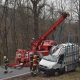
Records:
x=61, y=63
x=61, y=59
x=61, y=56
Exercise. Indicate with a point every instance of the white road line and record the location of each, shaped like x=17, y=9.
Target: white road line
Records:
x=14, y=76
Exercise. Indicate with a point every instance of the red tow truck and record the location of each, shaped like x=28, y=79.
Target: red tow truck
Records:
x=39, y=45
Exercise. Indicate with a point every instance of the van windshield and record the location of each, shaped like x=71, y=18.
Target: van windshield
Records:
x=51, y=58
x=55, y=48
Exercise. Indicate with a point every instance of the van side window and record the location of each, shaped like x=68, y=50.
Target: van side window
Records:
x=61, y=58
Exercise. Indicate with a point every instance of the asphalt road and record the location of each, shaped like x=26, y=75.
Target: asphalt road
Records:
x=13, y=72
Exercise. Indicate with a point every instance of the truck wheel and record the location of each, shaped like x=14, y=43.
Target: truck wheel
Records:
x=56, y=73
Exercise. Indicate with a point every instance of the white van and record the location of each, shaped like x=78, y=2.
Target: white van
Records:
x=62, y=58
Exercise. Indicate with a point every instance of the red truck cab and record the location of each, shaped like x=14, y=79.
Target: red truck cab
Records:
x=45, y=46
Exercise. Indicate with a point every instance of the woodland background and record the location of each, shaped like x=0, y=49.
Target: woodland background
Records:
x=21, y=20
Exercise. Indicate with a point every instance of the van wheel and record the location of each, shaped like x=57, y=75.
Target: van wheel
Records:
x=62, y=71
x=73, y=70
x=56, y=73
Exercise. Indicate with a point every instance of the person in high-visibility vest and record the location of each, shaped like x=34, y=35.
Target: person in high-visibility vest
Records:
x=34, y=64
x=31, y=62
x=6, y=61
x=36, y=59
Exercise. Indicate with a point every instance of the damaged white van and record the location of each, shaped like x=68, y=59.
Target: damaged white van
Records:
x=62, y=58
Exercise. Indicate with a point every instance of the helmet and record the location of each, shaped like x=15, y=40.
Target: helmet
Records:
x=35, y=56
x=33, y=38
x=5, y=57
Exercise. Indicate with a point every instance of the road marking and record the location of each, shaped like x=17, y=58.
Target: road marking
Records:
x=14, y=76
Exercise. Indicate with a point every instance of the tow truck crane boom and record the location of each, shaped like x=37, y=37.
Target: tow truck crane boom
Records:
x=37, y=42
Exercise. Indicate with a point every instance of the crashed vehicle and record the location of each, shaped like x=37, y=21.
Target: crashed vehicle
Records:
x=62, y=58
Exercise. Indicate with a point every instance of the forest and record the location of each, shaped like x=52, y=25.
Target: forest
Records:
x=22, y=20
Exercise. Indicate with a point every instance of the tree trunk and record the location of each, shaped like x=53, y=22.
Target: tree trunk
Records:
x=79, y=25
x=36, y=25
x=5, y=43
x=13, y=32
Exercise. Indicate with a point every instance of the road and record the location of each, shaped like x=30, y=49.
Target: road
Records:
x=13, y=73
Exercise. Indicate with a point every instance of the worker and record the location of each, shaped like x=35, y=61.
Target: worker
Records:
x=36, y=59
x=35, y=64
x=6, y=61
x=31, y=61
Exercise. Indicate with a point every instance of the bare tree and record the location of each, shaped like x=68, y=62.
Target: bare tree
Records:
x=36, y=9
x=3, y=30
x=4, y=33
x=0, y=2
x=76, y=15
x=61, y=8
x=13, y=27
x=79, y=23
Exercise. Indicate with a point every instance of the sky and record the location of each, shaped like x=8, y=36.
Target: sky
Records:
x=3, y=1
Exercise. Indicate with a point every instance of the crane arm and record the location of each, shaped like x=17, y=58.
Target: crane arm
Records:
x=36, y=42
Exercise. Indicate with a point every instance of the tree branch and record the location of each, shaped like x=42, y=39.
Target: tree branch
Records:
x=32, y=1
x=38, y=1
x=30, y=9
x=40, y=7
